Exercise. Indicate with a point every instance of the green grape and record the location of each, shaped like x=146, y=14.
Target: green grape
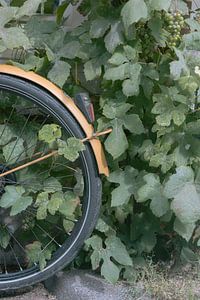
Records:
x=175, y=23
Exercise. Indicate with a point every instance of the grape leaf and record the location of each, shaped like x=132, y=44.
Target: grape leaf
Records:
x=92, y=69
x=70, y=149
x=4, y=237
x=13, y=197
x=99, y=27
x=112, y=142
x=109, y=270
x=160, y=4
x=28, y=8
x=14, y=37
x=69, y=204
x=177, y=181
x=134, y=124
x=118, y=251
x=131, y=86
x=55, y=202
x=69, y=50
x=36, y=254
x=52, y=185
x=153, y=190
x=59, y=73
x=50, y=133
x=184, y=230
x=133, y=11
x=117, y=73
x=114, y=38
x=42, y=203
x=6, y=15
x=126, y=188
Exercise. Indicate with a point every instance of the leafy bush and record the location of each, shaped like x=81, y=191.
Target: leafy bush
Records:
x=140, y=61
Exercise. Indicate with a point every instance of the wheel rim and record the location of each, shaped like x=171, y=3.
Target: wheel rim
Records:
x=65, y=240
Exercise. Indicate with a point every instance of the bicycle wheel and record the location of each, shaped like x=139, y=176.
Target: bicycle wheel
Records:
x=48, y=209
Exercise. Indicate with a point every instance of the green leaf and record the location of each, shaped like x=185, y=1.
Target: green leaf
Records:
x=3, y=3
x=13, y=197
x=79, y=186
x=193, y=127
x=4, y=237
x=70, y=50
x=55, y=202
x=28, y=8
x=109, y=270
x=118, y=251
x=69, y=205
x=59, y=73
x=184, y=230
x=42, y=203
x=96, y=243
x=60, y=11
x=50, y=133
x=21, y=204
x=112, y=142
x=50, y=54
x=188, y=84
x=68, y=225
x=92, y=69
x=177, y=181
x=14, y=150
x=118, y=59
x=127, y=185
x=153, y=190
x=99, y=27
x=182, y=7
x=188, y=256
x=147, y=242
x=186, y=204
x=6, y=15
x=167, y=111
x=36, y=254
x=52, y=185
x=131, y=53
x=160, y=4
x=156, y=25
x=117, y=73
x=191, y=40
x=15, y=37
x=6, y=133
x=114, y=38
x=70, y=149
x=133, y=124
x=116, y=110
x=133, y=11
x=178, y=68
x=131, y=86
x=102, y=226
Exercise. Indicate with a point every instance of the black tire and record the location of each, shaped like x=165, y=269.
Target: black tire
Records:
x=49, y=103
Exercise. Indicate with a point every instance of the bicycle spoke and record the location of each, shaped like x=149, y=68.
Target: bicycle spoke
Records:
x=16, y=258
x=18, y=138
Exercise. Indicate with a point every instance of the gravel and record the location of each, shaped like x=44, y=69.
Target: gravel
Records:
x=37, y=293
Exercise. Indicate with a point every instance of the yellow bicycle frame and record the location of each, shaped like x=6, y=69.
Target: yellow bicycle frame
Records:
x=69, y=104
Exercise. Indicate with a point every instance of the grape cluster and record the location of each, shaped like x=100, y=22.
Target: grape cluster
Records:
x=175, y=23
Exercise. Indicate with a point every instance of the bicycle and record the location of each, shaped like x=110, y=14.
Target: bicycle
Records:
x=49, y=204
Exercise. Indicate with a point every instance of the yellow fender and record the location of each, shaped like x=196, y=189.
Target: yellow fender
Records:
x=69, y=104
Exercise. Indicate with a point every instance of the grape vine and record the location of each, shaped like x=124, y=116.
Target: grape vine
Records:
x=139, y=59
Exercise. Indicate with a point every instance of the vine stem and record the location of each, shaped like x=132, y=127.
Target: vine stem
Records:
x=53, y=153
